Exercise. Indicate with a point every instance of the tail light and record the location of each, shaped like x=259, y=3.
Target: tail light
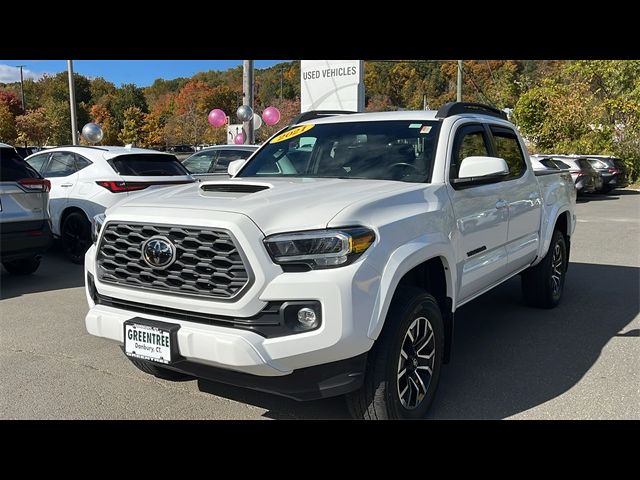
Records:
x=118, y=187
x=613, y=170
x=581, y=174
x=35, y=184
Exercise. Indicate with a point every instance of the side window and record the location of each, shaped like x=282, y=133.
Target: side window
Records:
x=200, y=162
x=60, y=165
x=508, y=147
x=225, y=158
x=38, y=161
x=470, y=141
x=81, y=162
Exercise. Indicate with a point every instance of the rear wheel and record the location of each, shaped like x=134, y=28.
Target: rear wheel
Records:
x=542, y=285
x=404, y=365
x=158, y=371
x=24, y=266
x=76, y=236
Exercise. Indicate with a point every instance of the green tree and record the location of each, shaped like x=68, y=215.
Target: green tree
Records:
x=132, y=126
x=101, y=115
x=126, y=97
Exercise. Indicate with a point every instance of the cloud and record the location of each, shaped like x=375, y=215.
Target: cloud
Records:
x=9, y=74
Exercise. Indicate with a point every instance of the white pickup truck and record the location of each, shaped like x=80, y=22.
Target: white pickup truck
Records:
x=334, y=259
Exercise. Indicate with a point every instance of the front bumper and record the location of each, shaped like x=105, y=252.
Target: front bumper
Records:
x=347, y=298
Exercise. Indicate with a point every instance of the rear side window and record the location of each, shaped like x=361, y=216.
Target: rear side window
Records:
x=38, y=161
x=507, y=147
x=200, y=162
x=549, y=163
x=148, y=164
x=61, y=164
x=561, y=165
x=225, y=158
x=81, y=162
x=584, y=164
x=13, y=168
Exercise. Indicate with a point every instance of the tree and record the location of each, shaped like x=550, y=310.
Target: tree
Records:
x=132, y=126
x=101, y=88
x=101, y=115
x=7, y=125
x=125, y=97
x=11, y=100
x=34, y=127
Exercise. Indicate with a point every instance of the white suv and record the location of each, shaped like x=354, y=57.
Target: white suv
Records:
x=87, y=180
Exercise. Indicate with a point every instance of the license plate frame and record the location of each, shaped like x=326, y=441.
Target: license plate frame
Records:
x=164, y=329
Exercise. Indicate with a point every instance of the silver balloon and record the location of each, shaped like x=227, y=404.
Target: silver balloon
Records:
x=244, y=113
x=92, y=132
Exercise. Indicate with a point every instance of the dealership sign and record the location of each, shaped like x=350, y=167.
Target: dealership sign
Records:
x=332, y=85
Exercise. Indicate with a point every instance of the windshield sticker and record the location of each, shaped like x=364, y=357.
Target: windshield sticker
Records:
x=415, y=125
x=425, y=129
x=294, y=132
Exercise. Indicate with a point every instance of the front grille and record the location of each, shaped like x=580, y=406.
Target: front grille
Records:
x=208, y=262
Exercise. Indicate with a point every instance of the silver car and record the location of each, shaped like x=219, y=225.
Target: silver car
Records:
x=25, y=228
x=212, y=162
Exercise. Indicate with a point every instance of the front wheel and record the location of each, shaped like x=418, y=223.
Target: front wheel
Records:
x=542, y=285
x=76, y=236
x=404, y=365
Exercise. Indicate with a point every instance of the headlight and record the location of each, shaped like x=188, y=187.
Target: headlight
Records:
x=320, y=248
x=96, y=226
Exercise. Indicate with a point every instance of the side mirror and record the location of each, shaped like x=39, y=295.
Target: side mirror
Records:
x=235, y=166
x=482, y=167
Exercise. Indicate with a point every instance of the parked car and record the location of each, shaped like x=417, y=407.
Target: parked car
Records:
x=215, y=160
x=86, y=180
x=25, y=230
x=586, y=179
x=24, y=152
x=613, y=171
x=340, y=274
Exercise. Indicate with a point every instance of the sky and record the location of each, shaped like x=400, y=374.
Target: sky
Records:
x=140, y=72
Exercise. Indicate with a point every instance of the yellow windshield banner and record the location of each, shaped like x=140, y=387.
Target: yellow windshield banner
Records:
x=294, y=132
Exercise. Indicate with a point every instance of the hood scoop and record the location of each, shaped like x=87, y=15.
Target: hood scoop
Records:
x=233, y=188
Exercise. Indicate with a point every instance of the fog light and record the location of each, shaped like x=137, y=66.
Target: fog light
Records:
x=307, y=317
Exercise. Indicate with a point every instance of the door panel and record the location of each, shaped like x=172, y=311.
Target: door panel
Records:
x=61, y=172
x=482, y=219
x=522, y=193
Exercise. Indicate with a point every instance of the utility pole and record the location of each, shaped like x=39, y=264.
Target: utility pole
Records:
x=24, y=107
x=459, y=95
x=72, y=104
x=247, y=96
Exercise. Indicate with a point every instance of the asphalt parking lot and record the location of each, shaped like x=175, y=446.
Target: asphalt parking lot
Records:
x=579, y=361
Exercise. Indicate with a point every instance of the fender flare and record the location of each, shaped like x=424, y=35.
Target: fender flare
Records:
x=401, y=261
x=548, y=228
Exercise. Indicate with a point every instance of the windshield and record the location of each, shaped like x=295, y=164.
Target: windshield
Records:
x=381, y=150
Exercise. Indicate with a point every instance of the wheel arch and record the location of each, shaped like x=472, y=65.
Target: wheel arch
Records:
x=68, y=211
x=434, y=273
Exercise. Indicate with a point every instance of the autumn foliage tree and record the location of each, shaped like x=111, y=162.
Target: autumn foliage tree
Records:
x=131, y=131
x=34, y=127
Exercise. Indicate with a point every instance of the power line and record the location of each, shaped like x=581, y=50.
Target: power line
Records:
x=478, y=89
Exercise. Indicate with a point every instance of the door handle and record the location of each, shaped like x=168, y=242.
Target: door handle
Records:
x=66, y=184
x=501, y=204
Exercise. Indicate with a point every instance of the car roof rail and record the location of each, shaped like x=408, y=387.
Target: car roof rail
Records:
x=455, y=108
x=313, y=114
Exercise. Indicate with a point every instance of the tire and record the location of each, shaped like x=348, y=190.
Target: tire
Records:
x=542, y=285
x=387, y=392
x=606, y=190
x=76, y=236
x=23, y=266
x=159, y=372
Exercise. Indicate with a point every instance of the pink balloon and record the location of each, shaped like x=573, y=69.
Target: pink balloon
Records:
x=271, y=115
x=217, y=117
x=239, y=140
